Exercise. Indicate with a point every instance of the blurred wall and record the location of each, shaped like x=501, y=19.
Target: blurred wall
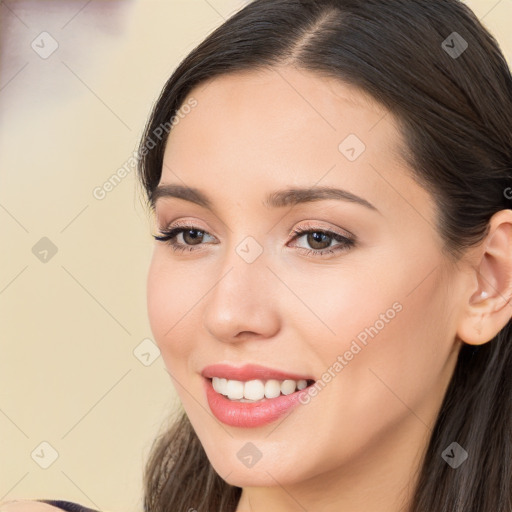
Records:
x=83, y=390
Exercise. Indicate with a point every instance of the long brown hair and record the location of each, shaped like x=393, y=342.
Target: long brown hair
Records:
x=434, y=65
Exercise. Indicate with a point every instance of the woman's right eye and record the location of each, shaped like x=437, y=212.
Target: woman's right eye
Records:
x=188, y=233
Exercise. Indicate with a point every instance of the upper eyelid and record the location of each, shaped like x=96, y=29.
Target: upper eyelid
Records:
x=192, y=225
x=313, y=226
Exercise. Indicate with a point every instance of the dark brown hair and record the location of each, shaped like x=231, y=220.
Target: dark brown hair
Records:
x=454, y=108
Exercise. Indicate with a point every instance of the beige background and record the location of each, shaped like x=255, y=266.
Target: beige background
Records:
x=73, y=372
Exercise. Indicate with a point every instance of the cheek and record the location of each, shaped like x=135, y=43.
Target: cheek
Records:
x=171, y=296
x=391, y=344
x=383, y=317
x=343, y=304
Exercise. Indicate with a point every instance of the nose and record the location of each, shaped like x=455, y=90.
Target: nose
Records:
x=243, y=302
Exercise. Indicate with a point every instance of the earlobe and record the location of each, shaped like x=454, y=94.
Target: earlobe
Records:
x=489, y=305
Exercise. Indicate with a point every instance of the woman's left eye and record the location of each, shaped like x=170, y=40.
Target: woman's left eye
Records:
x=192, y=236
x=318, y=237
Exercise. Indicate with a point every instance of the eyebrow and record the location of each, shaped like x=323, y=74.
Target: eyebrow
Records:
x=276, y=199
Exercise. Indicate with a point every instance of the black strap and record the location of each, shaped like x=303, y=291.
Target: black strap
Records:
x=68, y=506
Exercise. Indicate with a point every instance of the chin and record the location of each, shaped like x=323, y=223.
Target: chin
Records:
x=264, y=473
x=252, y=477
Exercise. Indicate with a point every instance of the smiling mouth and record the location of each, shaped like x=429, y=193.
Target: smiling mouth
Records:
x=257, y=390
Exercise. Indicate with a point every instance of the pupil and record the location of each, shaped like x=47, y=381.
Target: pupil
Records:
x=316, y=238
x=193, y=233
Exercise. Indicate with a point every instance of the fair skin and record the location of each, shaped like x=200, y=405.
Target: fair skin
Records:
x=358, y=444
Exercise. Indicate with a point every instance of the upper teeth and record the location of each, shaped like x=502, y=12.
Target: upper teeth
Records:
x=256, y=389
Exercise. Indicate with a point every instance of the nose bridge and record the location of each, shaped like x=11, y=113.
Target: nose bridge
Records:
x=244, y=265
x=241, y=298
x=244, y=275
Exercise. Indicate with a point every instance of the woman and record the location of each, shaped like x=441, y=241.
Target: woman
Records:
x=381, y=313
x=330, y=287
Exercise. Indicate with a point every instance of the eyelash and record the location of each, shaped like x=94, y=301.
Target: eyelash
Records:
x=167, y=236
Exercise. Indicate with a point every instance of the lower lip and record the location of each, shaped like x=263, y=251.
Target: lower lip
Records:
x=247, y=414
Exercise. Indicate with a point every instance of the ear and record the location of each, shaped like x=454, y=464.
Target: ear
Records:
x=488, y=306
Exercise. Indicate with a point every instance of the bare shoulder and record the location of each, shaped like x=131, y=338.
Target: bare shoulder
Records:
x=26, y=506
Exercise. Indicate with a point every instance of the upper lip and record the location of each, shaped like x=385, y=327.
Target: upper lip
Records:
x=249, y=372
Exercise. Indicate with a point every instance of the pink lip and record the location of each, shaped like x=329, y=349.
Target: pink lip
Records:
x=249, y=372
x=247, y=414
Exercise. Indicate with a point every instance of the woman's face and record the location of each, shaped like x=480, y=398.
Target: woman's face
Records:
x=373, y=322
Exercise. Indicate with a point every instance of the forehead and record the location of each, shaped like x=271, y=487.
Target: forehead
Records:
x=279, y=101
x=258, y=130
x=280, y=113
